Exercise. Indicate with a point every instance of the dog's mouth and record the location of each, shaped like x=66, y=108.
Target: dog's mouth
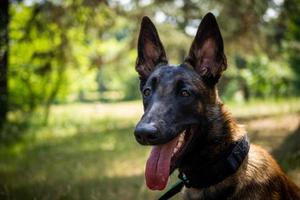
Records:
x=163, y=160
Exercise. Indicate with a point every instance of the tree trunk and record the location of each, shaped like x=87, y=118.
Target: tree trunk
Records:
x=4, y=18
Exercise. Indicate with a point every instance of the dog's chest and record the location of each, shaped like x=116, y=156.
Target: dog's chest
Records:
x=191, y=194
x=211, y=193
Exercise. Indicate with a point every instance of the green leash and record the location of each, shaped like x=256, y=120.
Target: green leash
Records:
x=176, y=188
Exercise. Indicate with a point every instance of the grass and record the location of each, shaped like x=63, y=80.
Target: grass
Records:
x=87, y=151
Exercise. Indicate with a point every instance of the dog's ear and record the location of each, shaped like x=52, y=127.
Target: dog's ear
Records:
x=206, y=54
x=150, y=50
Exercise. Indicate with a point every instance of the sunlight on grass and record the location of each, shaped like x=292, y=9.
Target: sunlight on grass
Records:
x=108, y=145
x=85, y=112
x=262, y=108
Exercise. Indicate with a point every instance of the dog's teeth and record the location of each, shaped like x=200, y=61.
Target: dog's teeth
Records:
x=175, y=150
x=182, y=136
x=179, y=144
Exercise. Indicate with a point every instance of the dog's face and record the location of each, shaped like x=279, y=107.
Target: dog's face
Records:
x=175, y=97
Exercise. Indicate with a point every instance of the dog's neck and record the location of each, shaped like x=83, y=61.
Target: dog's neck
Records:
x=221, y=126
x=214, y=139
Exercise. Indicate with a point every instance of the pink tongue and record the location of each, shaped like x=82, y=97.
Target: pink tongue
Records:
x=158, y=165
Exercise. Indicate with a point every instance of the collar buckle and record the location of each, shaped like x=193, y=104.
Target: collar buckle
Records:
x=184, y=179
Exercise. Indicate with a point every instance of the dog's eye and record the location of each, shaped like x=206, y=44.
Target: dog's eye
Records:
x=147, y=92
x=185, y=93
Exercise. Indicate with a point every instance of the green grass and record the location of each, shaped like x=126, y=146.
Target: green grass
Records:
x=87, y=151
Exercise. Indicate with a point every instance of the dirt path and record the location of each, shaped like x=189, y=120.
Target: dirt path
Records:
x=280, y=135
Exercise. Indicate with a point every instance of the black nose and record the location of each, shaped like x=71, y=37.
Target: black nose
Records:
x=146, y=133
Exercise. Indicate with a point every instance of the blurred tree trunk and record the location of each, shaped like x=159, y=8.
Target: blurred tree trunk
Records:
x=245, y=89
x=4, y=18
x=61, y=51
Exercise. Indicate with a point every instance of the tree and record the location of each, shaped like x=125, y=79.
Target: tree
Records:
x=4, y=18
x=291, y=17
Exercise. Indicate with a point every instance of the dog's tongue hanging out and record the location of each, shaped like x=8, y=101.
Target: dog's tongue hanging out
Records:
x=158, y=165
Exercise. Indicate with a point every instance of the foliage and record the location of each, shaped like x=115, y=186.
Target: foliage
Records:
x=85, y=50
x=262, y=78
x=292, y=35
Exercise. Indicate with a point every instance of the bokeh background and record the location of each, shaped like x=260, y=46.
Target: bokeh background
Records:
x=69, y=95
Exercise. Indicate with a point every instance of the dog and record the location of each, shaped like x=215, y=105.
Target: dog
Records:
x=190, y=129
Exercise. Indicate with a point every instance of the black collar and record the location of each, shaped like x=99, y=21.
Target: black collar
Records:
x=219, y=171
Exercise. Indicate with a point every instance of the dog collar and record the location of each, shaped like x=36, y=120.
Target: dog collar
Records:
x=230, y=165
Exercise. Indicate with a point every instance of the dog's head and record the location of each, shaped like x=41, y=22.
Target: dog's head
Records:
x=175, y=98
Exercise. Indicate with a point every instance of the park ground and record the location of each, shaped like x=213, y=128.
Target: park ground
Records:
x=87, y=151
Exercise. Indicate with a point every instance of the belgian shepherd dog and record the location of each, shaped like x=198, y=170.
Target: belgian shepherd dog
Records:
x=190, y=129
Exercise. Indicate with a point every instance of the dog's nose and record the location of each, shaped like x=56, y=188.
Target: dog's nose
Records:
x=146, y=133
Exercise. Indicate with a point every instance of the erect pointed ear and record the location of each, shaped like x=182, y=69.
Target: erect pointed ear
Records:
x=206, y=54
x=150, y=50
